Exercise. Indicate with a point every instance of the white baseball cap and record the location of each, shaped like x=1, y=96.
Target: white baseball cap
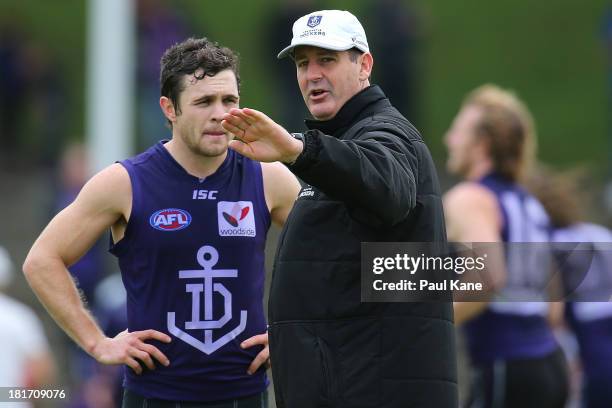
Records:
x=336, y=30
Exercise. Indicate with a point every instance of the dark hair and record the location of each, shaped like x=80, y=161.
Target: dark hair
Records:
x=354, y=54
x=189, y=56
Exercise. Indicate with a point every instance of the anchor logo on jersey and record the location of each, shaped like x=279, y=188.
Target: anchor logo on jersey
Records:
x=207, y=288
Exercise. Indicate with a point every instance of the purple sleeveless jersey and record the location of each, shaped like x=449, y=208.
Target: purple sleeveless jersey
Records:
x=192, y=261
x=592, y=321
x=510, y=330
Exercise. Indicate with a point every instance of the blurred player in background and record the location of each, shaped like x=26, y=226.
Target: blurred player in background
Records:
x=588, y=274
x=516, y=359
x=25, y=359
x=188, y=222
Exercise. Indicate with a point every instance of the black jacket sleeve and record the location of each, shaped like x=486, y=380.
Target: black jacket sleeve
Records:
x=373, y=173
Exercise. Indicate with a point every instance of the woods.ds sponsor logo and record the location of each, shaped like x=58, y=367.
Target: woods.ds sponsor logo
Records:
x=170, y=219
x=236, y=219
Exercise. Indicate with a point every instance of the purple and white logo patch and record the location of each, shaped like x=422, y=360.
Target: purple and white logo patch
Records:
x=170, y=219
x=314, y=21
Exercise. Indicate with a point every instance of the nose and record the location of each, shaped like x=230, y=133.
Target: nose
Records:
x=314, y=72
x=218, y=111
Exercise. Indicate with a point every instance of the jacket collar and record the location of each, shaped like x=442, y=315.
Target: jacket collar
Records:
x=350, y=112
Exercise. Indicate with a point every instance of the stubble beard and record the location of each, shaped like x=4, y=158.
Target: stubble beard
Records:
x=207, y=149
x=457, y=167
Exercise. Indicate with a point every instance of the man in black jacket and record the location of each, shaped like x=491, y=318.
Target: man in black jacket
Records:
x=370, y=179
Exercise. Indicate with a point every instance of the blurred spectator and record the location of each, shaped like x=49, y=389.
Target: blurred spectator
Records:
x=13, y=84
x=394, y=36
x=291, y=109
x=73, y=173
x=32, y=100
x=607, y=37
x=94, y=385
x=159, y=26
x=91, y=381
x=101, y=385
x=111, y=311
x=46, y=102
x=26, y=360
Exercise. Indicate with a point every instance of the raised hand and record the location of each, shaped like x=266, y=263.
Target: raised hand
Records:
x=126, y=347
x=259, y=137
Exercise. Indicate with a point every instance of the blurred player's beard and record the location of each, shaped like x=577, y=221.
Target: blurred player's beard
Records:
x=458, y=167
x=461, y=159
x=455, y=166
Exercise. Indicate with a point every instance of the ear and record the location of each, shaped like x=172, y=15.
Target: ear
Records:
x=367, y=62
x=168, y=108
x=482, y=144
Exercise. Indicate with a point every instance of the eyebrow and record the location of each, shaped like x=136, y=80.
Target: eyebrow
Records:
x=213, y=96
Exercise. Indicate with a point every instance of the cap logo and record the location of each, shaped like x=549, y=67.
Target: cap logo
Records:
x=314, y=21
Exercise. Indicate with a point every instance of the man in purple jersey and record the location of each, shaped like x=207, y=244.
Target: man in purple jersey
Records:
x=188, y=220
x=516, y=360
x=586, y=268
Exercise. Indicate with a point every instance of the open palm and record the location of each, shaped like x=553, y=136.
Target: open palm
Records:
x=259, y=137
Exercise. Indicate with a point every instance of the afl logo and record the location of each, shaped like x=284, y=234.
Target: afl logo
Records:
x=170, y=219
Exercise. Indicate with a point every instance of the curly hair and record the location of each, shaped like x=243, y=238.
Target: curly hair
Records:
x=199, y=57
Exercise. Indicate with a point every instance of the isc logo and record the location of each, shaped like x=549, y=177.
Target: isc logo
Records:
x=170, y=219
x=204, y=194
